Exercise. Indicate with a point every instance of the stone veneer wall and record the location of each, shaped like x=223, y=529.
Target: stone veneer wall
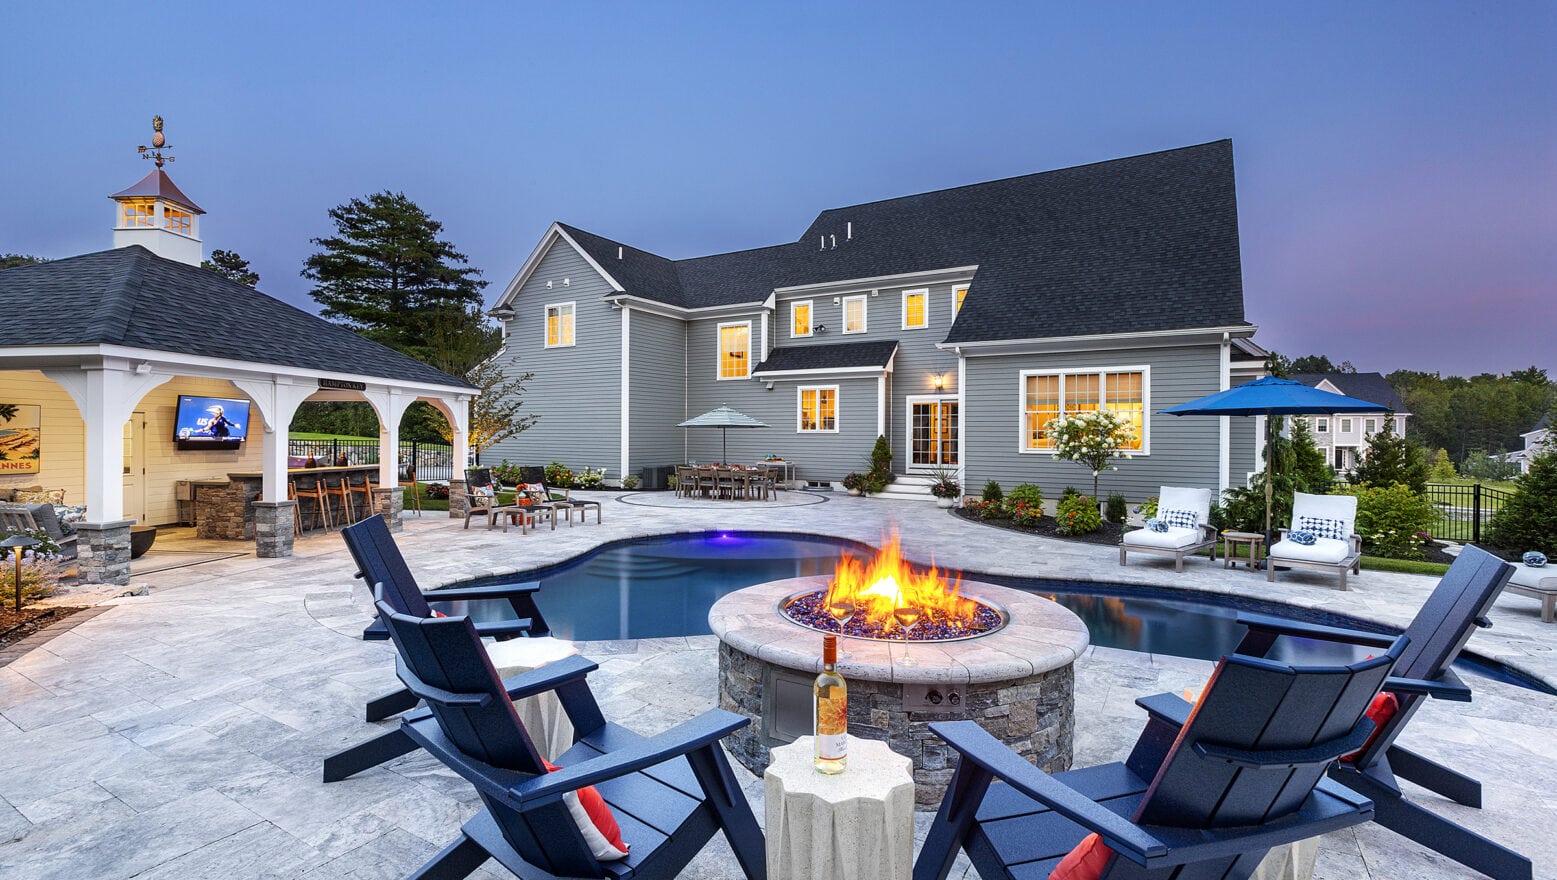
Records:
x=103, y=552
x=1033, y=716
x=228, y=513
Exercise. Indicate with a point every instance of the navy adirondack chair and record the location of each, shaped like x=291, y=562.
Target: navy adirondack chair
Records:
x=1207, y=791
x=670, y=793
x=1438, y=633
x=379, y=562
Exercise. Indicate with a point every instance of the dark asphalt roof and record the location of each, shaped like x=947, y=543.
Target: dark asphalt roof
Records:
x=1372, y=387
x=1130, y=245
x=132, y=297
x=835, y=356
x=158, y=185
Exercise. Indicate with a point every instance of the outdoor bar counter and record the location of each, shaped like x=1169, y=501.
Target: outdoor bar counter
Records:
x=227, y=512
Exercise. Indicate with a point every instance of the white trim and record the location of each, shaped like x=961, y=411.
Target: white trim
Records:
x=1224, y=431
x=908, y=429
x=864, y=299
x=810, y=305
x=800, y=391
x=928, y=276
x=626, y=427
x=763, y=352
x=823, y=371
x=957, y=309
x=1146, y=402
x=881, y=405
x=546, y=325
x=917, y=291
x=719, y=351
x=531, y=262
x=1050, y=344
x=962, y=408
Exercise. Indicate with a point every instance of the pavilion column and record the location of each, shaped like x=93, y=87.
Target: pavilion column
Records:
x=390, y=404
x=457, y=411
x=274, y=513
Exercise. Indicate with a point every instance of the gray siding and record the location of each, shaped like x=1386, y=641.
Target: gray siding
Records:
x=657, y=368
x=917, y=361
x=817, y=456
x=1243, y=456
x=1184, y=450
x=576, y=390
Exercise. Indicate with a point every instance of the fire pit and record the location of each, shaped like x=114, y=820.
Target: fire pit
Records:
x=1007, y=665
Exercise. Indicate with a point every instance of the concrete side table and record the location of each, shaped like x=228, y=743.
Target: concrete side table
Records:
x=854, y=825
x=542, y=714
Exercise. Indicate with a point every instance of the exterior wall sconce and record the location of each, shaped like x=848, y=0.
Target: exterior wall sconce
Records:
x=938, y=381
x=819, y=329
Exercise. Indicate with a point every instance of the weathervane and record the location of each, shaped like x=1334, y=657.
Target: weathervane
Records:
x=154, y=151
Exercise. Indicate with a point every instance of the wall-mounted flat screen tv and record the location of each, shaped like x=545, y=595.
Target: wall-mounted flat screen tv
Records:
x=210, y=422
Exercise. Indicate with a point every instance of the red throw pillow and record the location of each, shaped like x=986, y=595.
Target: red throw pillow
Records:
x=437, y=613
x=595, y=821
x=1085, y=862
x=1383, y=708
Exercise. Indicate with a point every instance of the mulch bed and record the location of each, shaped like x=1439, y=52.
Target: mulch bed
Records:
x=15, y=627
x=1048, y=527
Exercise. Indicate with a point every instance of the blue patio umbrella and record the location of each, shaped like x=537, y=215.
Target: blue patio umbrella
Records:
x=1268, y=397
x=723, y=418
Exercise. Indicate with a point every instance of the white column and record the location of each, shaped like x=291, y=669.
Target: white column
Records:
x=390, y=404
x=881, y=405
x=626, y=427
x=458, y=414
x=1224, y=427
x=277, y=400
x=962, y=417
x=106, y=395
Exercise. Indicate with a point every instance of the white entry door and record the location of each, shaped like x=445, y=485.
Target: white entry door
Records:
x=932, y=433
x=135, y=468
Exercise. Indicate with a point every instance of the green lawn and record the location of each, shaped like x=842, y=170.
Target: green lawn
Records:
x=1372, y=563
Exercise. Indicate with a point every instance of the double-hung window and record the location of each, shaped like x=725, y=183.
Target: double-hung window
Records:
x=1370, y=427
x=800, y=318
x=1047, y=395
x=1346, y=426
x=916, y=309
x=559, y=325
x=959, y=293
x=854, y=313
x=1322, y=425
x=818, y=409
x=735, y=350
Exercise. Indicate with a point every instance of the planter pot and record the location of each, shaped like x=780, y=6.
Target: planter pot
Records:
x=855, y=492
x=945, y=503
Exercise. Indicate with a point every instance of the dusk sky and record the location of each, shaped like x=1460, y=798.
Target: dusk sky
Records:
x=1396, y=164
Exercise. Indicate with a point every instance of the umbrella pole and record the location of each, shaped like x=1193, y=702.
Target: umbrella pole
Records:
x=1270, y=455
x=724, y=445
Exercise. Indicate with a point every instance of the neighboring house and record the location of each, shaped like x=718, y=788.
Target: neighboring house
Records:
x=1344, y=438
x=956, y=323
x=1533, y=441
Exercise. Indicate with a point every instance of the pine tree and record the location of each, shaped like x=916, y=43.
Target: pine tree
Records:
x=232, y=266
x=1528, y=520
x=1391, y=459
x=1443, y=469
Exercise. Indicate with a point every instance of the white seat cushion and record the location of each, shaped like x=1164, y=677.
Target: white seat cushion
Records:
x=1543, y=578
x=514, y=656
x=1172, y=539
x=1322, y=550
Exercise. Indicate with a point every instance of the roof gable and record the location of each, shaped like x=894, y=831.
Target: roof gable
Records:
x=555, y=233
x=1363, y=386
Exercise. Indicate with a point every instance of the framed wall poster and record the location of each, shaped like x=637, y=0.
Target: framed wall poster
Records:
x=21, y=438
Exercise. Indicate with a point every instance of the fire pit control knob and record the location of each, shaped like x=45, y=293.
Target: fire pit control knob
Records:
x=955, y=699
x=933, y=697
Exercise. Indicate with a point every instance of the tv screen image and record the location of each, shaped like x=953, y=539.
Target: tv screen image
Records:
x=211, y=419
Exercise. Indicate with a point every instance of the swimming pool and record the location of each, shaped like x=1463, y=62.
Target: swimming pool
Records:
x=663, y=587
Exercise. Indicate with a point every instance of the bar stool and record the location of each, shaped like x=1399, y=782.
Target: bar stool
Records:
x=297, y=509
x=413, y=497
x=316, y=493
x=365, y=489
x=340, y=490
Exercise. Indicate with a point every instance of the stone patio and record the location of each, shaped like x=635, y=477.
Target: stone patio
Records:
x=180, y=734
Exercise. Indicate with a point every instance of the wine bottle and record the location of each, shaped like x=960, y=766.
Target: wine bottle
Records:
x=830, y=722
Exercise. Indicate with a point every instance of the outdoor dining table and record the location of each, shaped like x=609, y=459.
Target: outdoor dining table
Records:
x=721, y=482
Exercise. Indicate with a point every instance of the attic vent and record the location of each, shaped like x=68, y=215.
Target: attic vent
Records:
x=835, y=241
x=824, y=242
x=848, y=234
x=618, y=252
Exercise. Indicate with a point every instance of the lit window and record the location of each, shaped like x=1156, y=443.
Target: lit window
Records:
x=177, y=221
x=800, y=318
x=818, y=409
x=142, y=212
x=854, y=314
x=1047, y=396
x=916, y=309
x=735, y=350
x=960, y=292
x=559, y=325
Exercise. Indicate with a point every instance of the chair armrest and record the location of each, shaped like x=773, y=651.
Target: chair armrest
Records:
x=1284, y=627
x=505, y=627
x=439, y=695
x=704, y=730
x=1287, y=759
x=975, y=744
x=549, y=677
x=495, y=591
x=1447, y=686
x=1171, y=708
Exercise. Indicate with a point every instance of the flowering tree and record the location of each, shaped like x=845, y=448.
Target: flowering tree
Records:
x=1092, y=439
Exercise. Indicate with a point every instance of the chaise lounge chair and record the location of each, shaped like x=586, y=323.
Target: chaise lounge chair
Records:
x=1332, y=520
x=1438, y=633
x=1181, y=537
x=669, y=794
x=1209, y=789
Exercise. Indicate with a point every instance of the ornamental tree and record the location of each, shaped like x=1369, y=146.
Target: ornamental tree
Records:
x=1528, y=520
x=1092, y=439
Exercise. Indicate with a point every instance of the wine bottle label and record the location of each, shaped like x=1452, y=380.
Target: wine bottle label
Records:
x=832, y=745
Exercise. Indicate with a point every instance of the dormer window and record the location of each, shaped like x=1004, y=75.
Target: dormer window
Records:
x=138, y=213
x=178, y=221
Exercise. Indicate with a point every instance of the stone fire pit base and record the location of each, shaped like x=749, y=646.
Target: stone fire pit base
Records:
x=1016, y=683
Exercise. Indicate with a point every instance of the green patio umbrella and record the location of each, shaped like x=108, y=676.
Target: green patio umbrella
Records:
x=724, y=419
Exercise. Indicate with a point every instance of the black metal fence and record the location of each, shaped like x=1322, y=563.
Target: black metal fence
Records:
x=1464, y=510
x=432, y=461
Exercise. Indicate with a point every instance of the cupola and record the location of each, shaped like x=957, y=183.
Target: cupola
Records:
x=155, y=213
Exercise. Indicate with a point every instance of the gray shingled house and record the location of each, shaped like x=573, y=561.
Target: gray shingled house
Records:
x=1344, y=438
x=956, y=323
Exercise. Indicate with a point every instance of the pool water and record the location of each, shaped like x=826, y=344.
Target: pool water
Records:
x=662, y=587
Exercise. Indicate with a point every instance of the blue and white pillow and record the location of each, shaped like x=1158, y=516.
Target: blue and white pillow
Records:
x=1156, y=525
x=1535, y=559
x=1180, y=519
x=68, y=516
x=1301, y=537
x=1322, y=527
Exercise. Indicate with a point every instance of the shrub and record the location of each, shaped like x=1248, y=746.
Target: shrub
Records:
x=992, y=492
x=881, y=460
x=854, y=481
x=1092, y=439
x=46, y=546
x=1443, y=469
x=1069, y=492
x=1393, y=520
x=1148, y=508
x=983, y=509
x=1528, y=520
x=508, y=474
x=1478, y=465
x=1022, y=512
x=558, y=476
x=1077, y=515
x=591, y=478
x=437, y=491
x=1025, y=493
x=630, y=481
x=41, y=574
x=1118, y=509
x=1391, y=459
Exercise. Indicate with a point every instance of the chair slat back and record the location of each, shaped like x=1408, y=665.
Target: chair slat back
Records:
x=477, y=477
x=1262, y=706
x=379, y=562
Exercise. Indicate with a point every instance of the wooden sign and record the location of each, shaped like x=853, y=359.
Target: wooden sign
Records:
x=343, y=385
x=21, y=438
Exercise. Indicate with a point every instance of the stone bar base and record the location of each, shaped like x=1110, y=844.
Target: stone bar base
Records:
x=273, y=528
x=390, y=501
x=227, y=513
x=457, y=499
x=103, y=552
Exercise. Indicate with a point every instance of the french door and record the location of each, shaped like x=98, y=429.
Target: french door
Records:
x=932, y=433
